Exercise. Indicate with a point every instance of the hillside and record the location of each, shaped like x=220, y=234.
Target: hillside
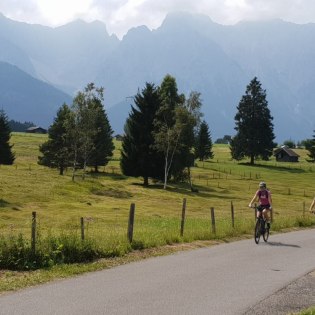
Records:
x=67, y=56
x=25, y=98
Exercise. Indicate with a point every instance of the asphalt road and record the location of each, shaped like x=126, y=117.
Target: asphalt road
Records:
x=224, y=279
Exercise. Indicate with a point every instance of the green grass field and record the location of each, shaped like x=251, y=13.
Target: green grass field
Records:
x=104, y=198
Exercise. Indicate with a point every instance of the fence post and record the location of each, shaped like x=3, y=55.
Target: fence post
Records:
x=213, y=221
x=82, y=229
x=303, y=209
x=33, y=239
x=131, y=222
x=232, y=214
x=183, y=218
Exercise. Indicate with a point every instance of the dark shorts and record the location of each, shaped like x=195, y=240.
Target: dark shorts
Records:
x=263, y=207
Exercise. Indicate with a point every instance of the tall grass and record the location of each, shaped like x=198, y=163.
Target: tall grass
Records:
x=103, y=199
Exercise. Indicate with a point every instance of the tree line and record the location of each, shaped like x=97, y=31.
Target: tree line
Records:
x=20, y=126
x=158, y=141
x=163, y=134
x=80, y=135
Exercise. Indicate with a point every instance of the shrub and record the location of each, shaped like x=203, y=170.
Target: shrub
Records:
x=16, y=252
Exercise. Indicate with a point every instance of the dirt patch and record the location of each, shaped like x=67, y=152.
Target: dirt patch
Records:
x=114, y=193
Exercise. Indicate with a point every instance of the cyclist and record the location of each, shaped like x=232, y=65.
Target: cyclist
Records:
x=263, y=196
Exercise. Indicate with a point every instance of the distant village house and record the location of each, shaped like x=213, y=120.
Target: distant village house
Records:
x=119, y=137
x=285, y=154
x=36, y=130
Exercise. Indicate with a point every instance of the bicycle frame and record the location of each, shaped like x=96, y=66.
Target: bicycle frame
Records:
x=260, y=228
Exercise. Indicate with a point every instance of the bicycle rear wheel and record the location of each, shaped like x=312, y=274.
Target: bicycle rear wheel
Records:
x=257, y=232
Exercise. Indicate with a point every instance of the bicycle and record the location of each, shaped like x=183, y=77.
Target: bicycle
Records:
x=261, y=228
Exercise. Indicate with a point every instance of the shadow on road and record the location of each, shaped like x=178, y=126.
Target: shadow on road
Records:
x=282, y=244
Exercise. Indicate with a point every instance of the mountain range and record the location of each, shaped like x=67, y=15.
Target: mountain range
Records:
x=43, y=67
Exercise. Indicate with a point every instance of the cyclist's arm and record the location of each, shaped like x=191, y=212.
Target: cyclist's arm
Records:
x=254, y=199
x=270, y=200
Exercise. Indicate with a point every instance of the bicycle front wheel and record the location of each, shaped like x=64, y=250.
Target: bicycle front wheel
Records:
x=266, y=234
x=257, y=232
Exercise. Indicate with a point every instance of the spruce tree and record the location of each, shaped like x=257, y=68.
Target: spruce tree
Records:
x=254, y=138
x=6, y=155
x=311, y=148
x=203, y=146
x=103, y=145
x=57, y=151
x=138, y=156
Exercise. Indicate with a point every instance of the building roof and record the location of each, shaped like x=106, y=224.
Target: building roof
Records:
x=35, y=128
x=287, y=150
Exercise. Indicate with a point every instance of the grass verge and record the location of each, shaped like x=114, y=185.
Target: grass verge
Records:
x=15, y=280
x=309, y=311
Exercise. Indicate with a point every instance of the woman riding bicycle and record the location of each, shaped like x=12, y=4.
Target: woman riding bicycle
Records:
x=263, y=196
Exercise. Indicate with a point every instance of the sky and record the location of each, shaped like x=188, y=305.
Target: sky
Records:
x=121, y=15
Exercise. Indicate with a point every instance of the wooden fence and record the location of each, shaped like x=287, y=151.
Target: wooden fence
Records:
x=131, y=222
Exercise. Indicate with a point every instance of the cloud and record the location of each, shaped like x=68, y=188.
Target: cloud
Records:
x=19, y=10
x=298, y=11
x=151, y=12
x=121, y=15
x=58, y=12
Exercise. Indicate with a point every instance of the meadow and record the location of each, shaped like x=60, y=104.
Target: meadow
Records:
x=103, y=201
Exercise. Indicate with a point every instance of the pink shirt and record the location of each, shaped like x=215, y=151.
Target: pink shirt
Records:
x=263, y=196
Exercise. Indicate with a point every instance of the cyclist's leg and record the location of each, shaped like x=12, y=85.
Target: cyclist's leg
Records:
x=266, y=215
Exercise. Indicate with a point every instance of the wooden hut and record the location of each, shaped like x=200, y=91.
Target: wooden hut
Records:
x=285, y=154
